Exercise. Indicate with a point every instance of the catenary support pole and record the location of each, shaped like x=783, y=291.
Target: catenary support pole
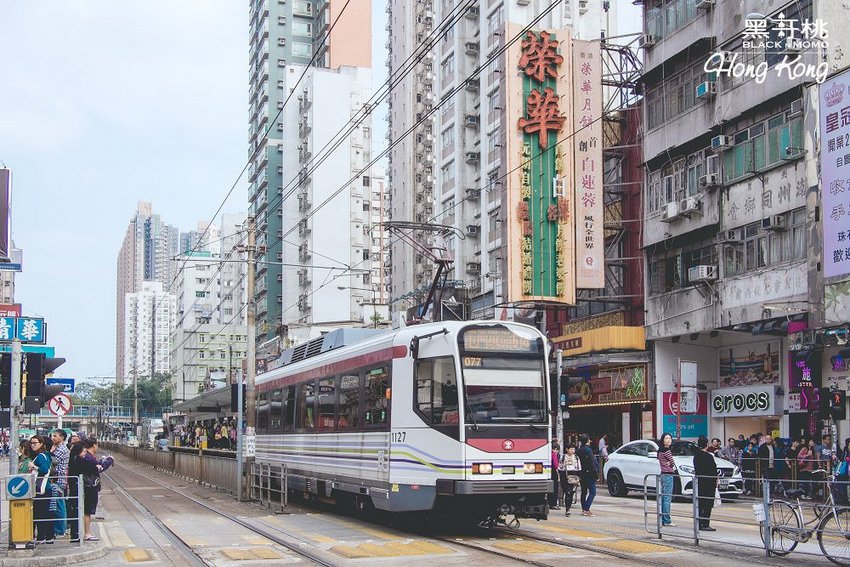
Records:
x=15, y=407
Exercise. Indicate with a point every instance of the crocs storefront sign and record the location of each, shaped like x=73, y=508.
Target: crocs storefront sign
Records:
x=734, y=402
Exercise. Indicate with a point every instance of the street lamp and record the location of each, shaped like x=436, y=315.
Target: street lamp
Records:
x=372, y=290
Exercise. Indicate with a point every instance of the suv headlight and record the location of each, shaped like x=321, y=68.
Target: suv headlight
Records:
x=737, y=471
x=686, y=468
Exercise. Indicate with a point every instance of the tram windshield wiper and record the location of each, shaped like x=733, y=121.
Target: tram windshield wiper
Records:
x=524, y=420
x=471, y=415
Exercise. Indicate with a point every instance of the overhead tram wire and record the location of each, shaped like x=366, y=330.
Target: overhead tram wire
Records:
x=260, y=146
x=449, y=209
x=445, y=99
x=490, y=60
x=368, y=107
x=456, y=14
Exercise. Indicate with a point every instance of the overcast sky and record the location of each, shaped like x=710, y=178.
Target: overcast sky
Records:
x=104, y=104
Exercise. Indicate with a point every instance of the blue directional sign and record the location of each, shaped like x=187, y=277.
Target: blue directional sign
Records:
x=18, y=487
x=7, y=328
x=67, y=382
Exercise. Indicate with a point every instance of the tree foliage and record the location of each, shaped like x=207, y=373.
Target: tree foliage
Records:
x=154, y=394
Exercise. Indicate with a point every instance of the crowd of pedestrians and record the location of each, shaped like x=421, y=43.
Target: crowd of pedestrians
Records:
x=57, y=463
x=805, y=462
x=209, y=434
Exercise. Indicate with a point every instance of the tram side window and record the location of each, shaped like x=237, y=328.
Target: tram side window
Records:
x=275, y=404
x=288, y=408
x=327, y=404
x=436, y=390
x=349, y=401
x=376, y=408
x=263, y=412
x=305, y=414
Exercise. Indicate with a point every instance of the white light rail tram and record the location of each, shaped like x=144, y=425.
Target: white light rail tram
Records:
x=451, y=418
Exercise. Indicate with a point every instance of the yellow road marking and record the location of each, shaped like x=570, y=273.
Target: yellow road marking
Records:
x=256, y=540
x=249, y=553
x=630, y=546
x=136, y=555
x=531, y=547
x=390, y=549
x=574, y=533
x=321, y=538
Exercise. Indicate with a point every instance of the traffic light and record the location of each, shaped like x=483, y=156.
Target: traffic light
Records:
x=838, y=405
x=5, y=379
x=32, y=373
x=234, y=397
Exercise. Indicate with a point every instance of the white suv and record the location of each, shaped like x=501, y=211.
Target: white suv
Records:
x=628, y=466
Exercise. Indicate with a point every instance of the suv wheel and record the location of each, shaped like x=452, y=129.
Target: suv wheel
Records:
x=616, y=486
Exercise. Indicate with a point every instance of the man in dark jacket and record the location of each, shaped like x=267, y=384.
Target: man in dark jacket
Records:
x=706, y=470
x=768, y=458
x=589, y=474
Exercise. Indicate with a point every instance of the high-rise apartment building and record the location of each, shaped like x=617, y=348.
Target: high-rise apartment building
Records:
x=149, y=317
x=205, y=238
x=451, y=171
x=147, y=254
x=284, y=38
x=210, y=324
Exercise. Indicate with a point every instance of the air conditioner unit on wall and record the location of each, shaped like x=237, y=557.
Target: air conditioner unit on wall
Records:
x=670, y=211
x=796, y=108
x=706, y=90
x=647, y=40
x=727, y=236
x=702, y=274
x=721, y=143
x=709, y=180
x=690, y=205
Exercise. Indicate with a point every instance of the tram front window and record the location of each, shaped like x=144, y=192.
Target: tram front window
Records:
x=504, y=390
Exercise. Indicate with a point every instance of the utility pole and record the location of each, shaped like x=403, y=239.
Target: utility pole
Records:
x=251, y=355
x=559, y=427
x=15, y=407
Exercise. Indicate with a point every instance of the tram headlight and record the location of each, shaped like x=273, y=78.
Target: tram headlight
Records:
x=532, y=468
x=482, y=468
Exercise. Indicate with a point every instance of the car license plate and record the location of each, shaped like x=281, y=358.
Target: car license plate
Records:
x=723, y=484
x=508, y=470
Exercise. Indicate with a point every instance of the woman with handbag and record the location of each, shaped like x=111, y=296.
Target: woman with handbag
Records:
x=571, y=476
x=91, y=482
x=42, y=517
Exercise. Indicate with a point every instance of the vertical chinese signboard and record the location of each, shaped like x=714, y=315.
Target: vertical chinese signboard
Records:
x=540, y=205
x=835, y=174
x=587, y=145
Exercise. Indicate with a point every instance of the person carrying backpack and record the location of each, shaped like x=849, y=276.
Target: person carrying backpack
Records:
x=589, y=474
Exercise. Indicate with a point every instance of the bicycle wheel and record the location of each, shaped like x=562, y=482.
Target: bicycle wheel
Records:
x=784, y=520
x=834, y=536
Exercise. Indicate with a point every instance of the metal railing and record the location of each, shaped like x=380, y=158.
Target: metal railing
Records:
x=77, y=518
x=783, y=521
x=269, y=486
x=211, y=470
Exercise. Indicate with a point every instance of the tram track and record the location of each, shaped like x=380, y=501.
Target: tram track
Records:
x=184, y=547
x=477, y=541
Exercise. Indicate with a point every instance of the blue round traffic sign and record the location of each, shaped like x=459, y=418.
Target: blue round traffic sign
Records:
x=18, y=487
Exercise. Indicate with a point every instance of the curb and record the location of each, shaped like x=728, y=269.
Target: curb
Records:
x=27, y=558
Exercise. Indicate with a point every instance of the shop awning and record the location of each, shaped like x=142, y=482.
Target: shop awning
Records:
x=607, y=358
x=215, y=401
x=608, y=338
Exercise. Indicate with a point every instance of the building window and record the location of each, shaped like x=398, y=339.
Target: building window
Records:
x=663, y=17
x=762, y=146
x=448, y=172
x=448, y=136
x=675, y=95
x=669, y=271
x=366, y=181
x=302, y=28
x=447, y=68
x=753, y=247
x=302, y=8
x=300, y=49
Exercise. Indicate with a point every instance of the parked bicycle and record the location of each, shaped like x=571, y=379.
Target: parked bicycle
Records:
x=789, y=527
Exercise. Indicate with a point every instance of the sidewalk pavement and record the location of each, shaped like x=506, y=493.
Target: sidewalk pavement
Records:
x=60, y=553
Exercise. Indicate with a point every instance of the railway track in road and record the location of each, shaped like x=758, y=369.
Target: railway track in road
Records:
x=184, y=547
